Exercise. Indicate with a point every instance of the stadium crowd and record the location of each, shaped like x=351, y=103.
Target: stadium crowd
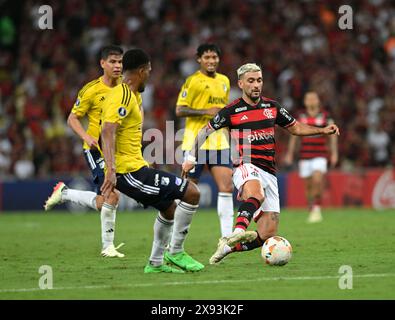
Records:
x=298, y=43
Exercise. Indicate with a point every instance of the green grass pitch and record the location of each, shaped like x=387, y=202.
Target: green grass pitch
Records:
x=70, y=244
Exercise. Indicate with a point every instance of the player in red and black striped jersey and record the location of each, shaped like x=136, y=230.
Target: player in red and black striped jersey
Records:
x=313, y=154
x=251, y=121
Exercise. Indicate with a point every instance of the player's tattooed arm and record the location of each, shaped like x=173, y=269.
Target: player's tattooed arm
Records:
x=185, y=111
x=108, y=146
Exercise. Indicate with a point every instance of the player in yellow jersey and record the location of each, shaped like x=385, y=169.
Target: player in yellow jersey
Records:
x=127, y=171
x=89, y=104
x=203, y=94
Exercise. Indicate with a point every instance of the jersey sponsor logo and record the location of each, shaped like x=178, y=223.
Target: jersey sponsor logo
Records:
x=240, y=109
x=77, y=102
x=156, y=180
x=258, y=136
x=165, y=181
x=184, y=94
x=122, y=112
x=216, y=118
x=268, y=113
x=216, y=100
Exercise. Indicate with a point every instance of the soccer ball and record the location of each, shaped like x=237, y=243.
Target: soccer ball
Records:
x=276, y=251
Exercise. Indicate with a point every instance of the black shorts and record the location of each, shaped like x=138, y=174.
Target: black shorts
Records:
x=212, y=158
x=96, y=164
x=152, y=187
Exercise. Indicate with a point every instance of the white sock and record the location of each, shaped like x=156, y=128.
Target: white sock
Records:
x=182, y=220
x=107, y=216
x=225, y=212
x=162, y=234
x=83, y=198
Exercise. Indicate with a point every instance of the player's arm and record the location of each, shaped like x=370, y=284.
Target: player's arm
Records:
x=201, y=137
x=289, y=156
x=185, y=101
x=285, y=120
x=80, y=108
x=74, y=123
x=108, y=148
x=185, y=111
x=114, y=111
x=301, y=129
x=333, y=148
x=221, y=120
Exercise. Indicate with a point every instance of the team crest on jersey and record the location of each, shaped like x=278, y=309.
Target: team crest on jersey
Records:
x=77, y=103
x=268, y=113
x=184, y=94
x=122, y=112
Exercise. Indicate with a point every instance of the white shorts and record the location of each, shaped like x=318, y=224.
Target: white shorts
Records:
x=308, y=166
x=247, y=172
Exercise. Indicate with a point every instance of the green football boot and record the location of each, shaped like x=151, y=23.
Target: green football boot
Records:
x=184, y=261
x=162, y=268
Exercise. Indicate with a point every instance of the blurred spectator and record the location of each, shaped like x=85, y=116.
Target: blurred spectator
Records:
x=379, y=142
x=298, y=44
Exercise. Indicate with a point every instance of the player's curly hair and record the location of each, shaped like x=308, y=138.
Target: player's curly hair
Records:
x=207, y=47
x=134, y=59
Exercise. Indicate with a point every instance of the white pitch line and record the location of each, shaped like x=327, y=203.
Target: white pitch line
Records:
x=187, y=283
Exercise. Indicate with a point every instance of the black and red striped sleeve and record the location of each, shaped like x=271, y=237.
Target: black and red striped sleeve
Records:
x=220, y=120
x=284, y=118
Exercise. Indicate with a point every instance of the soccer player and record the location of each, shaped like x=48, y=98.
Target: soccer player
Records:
x=252, y=119
x=203, y=94
x=127, y=171
x=313, y=154
x=88, y=105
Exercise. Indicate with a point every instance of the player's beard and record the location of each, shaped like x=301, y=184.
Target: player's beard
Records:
x=254, y=98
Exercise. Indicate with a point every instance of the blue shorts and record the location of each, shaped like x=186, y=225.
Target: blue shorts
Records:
x=96, y=164
x=211, y=158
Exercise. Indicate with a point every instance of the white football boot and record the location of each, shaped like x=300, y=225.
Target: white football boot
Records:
x=315, y=215
x=112, y=252
x=56, y=196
